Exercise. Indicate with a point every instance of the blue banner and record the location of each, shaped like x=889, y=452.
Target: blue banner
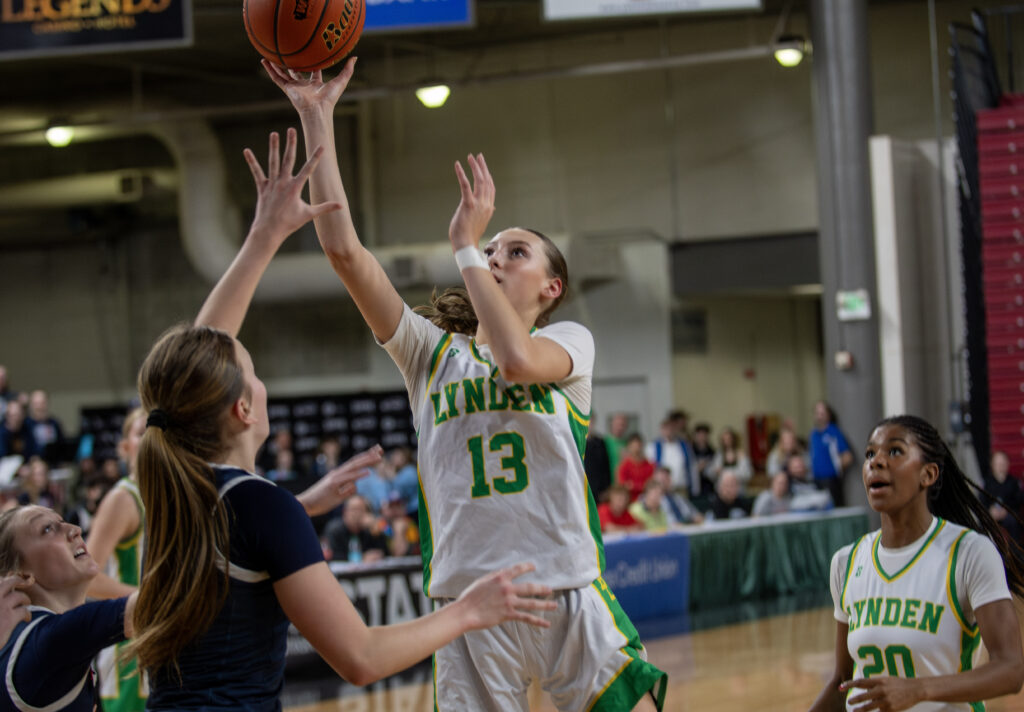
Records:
x=389, y=15
x=649, y=574
x=38, y=28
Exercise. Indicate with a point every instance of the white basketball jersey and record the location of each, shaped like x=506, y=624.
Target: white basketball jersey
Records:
x=910, y=622
x=501, y=476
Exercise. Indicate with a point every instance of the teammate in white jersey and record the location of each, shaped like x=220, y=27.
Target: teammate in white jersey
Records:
x=501, y=409
x=914, y=600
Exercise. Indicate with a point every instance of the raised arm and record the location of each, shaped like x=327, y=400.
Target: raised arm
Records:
x=280, y=211
x=520, y=357
x=364, y=278
x=116, y=519
x=319, y=608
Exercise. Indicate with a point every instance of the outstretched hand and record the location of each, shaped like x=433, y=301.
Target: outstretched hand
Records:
x=280, y=209
x=308, y=93
x=340, y=483
x=496, y=598
x=476, y=205
x=887, y=694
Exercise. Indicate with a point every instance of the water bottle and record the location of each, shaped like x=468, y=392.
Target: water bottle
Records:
x=355, y=550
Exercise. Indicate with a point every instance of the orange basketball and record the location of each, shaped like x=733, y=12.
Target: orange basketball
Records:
x=304, y=35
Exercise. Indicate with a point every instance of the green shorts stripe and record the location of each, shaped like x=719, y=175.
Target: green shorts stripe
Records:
x=636, y=677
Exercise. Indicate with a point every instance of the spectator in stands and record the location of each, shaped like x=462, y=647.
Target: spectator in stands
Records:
x=671, y=451
x=284, y=467
x=730, y=456
x=830, y=452
x=677, y=508
x=87, y=503
x=375, y=487
x=406, y=480
x=596, y=462
x=15, y=435
x=6, y=394
x=647, y=508
x=110, y=470
x=1007, y=489
x=352, y=536
x=614, y=514
x=635, y=469
x=615, y=441
x=705, y=454
x=46, y=430
x=729, y=502
x=281, y=440
x=787, y=444
x=805, y=494
x=776, y=499
x=401, y=533
x=327, y=458
x=35, y=484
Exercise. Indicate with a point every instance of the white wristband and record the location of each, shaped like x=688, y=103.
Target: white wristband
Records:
x=470, y=257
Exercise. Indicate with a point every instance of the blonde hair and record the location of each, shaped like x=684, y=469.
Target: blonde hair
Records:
x=10, y=557
x=192, y=375
x=453, y=311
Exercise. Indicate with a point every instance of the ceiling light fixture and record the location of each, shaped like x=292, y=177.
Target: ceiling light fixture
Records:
x=433, y=96
x=790, y=50
x=59, y=136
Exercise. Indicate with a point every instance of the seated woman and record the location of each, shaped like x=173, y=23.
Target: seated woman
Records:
x=231, y=558
x=46, y=661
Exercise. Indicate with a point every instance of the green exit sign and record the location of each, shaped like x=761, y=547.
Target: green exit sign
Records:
x=853, y=305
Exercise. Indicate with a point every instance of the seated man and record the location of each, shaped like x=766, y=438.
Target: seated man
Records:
x=728, y=502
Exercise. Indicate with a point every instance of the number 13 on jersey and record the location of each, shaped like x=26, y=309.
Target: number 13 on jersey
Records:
x=513, y=455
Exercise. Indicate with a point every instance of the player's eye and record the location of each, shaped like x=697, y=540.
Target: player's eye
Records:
x=868, y=454
x=518, y=252
x=895, y=451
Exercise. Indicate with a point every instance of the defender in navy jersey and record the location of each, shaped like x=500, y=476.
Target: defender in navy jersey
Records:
x=231, y=558
x=914, y=600
x=501, y=404
x=46, y=662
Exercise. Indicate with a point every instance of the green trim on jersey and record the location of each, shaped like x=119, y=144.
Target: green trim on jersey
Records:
x=594, y=524
x=636, y=677
x=435, y=360
x=426, y=536
x=951, y=588
x=849, y=570
x=878, y=565
x=128, y=696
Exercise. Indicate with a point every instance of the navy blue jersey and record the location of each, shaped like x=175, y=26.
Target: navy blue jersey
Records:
x=238, y=663
x=46, y=662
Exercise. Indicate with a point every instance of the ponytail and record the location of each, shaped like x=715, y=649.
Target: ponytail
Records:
x=951, y=497
x=188, y=383
x=453, y=311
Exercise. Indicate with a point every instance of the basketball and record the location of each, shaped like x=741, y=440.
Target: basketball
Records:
x=304, y=35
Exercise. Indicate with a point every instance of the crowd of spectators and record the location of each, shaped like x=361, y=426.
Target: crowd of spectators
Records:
x=684, y=476
x=681, y=476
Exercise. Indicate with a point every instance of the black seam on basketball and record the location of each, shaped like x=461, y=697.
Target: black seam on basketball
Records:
x=316, y=33
x=311, y=67
x=277, y=44
x=256, y=41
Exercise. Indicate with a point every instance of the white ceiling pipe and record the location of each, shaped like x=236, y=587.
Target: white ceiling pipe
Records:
x=123, y=186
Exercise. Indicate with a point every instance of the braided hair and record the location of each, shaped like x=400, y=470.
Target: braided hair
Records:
x=951, y=497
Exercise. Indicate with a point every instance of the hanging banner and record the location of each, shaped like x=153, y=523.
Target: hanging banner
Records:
x=43, y=28
x=397, y=15
x=580, y=9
